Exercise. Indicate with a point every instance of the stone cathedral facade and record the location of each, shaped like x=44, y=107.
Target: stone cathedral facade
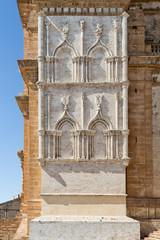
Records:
x=91, y=84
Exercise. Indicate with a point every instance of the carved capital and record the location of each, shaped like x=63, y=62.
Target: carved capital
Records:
x=125, y=15
x=41, y=14
x=41, y=58
x=125, y=85
x=125, y=132
x=49, y=59
x=126, y=161
x=41, y=132
x=125, y=59
x=40, y=85
x=57, y=133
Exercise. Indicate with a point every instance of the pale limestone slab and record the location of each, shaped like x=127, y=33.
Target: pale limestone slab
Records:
x=84, y=228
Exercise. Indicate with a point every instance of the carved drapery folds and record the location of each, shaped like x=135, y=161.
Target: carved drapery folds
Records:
x=66, y=64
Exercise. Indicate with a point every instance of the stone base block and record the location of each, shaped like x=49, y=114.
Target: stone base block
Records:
x=84, y=228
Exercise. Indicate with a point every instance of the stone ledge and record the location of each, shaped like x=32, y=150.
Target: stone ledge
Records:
x=87, y=227
x=29, y=71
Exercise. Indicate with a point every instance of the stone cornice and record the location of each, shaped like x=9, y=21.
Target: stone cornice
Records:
x=27, y=6
x=29, y=71
x=23, y=103
x=144, y=61
x=82, y=3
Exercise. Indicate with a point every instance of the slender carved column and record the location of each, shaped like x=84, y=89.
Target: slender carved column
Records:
x=82, y=109
x=106, y=146
x=74, y=143
x=116, y=69
x=125, y=134
x=83, y=145
x=117, y=147
x=125, y=120
x=109, y=70
x=48, y=25
x=76, y=71
x=112, y=145
x=117, y=109
x=124, y=47
x=79, y=156
x=116, y=40
x=87, y=147
x=106, y=136
x=82, y=69
x=112, y=69
x=87, y=68
x=49, y=144
x=41, y=119
x=82, y=25
x=109, y=146
x=79, y=72
x=49, y=124
x=52, y=70
x=55, y=146
x=73, y=69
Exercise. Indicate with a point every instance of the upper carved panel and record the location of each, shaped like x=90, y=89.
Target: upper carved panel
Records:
x=83, y=50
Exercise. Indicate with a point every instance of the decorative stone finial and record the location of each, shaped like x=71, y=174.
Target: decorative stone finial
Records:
x=65, y=102
x=65, y=31
x=82, y=25
x=99, y=99
x=99, y=31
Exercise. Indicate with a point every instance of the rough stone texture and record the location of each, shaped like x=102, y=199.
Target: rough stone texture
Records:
x=156, y=139
x=8, y=227
x=87, y=228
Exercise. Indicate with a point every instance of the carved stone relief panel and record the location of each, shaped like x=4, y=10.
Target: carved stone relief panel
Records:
x=85, y=50
x=82, y=123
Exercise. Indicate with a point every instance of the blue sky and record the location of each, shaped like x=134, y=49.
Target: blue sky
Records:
x=11, y=120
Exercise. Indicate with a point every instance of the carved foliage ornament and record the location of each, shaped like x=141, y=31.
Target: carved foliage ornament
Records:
x=65, y=31
x=99, y=31
x=65, y=102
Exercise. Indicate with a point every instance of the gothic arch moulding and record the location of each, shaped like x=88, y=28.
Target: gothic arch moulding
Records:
x=98, y=55
x=65, y=129
x=64, y=55
x=99, y=124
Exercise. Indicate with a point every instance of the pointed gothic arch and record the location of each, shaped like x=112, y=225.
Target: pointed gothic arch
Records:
x=64, y=66
x=97, y=67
